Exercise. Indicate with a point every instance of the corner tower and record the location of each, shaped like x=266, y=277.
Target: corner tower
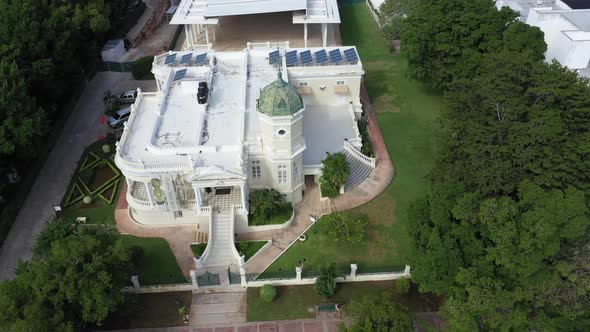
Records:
x=280, y=109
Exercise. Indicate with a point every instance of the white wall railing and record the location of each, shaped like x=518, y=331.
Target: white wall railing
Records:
x=241, y=259
x=312, y=169
x=359, y=155
x=268, y=44
x=200, y=262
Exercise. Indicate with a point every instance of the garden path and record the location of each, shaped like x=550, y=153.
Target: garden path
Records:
x=82, y=128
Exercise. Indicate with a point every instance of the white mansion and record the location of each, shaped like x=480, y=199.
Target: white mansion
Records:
x=265, y=119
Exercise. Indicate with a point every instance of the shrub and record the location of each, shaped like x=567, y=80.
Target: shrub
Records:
x=266, y=203
x=325, y=283
x=136, y=255
x=87, y=199
x=335, y=172
x=87, y=175
x=268, y=293
x=344, y=228
x=402, y=286
x=142, y=68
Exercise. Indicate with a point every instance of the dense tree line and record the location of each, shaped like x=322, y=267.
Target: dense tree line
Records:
x=44, y=46
x=73, y=282
x=503, y=231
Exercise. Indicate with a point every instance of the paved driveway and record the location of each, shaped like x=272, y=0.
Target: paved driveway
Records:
x=83, y=127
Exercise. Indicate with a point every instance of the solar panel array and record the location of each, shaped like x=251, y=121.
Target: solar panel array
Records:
x=306, y=57
x=321, y=56
x=351, y=55
x=335, y=56
x=200, y=59
x=170, y=59
x=186, y=58
x=291, y=58
x=179, y=74
x=274, y=57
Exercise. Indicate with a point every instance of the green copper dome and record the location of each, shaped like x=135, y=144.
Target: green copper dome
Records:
x=279, y=98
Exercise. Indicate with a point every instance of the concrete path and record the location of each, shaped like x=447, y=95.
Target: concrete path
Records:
x=209, y=309
x=296, y=325
x=82, y=128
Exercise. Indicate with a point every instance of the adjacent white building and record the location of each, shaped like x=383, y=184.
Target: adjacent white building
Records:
x=566, y=25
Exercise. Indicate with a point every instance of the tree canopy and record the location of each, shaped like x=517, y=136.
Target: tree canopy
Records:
x=74, y=283
x=504, y=228
x=378, y=313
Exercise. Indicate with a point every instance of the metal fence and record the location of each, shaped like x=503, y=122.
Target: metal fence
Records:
x=272, y=276
x=121, y=67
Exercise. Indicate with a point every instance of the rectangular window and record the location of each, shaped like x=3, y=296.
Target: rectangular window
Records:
x=282, y=173
x=303, y=83
x=177, y=214
x=256, y=169
x=295, y=172
x=340, y=82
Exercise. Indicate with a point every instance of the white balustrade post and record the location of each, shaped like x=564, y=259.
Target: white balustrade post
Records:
x=407, y=271
x=298, y=271
x=149, y=192
x=353, y=268
x=193, y=274
x=243, y=277
x=244, y=201
x=242, y=260
x=135, y=282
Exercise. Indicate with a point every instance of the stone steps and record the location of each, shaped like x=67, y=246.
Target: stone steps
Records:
x=359, y=171
x=221, y=253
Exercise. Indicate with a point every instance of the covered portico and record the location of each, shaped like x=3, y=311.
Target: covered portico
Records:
x=220, y=190
x=228, y=25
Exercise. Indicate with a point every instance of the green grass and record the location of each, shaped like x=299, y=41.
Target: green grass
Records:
x=158, y=265
x=249, y=248
x=151, y=310
x=406, y=112
x=198, y=249
x=281, y=217
x=295, y=302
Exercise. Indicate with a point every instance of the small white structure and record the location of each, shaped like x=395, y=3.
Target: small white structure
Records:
x=267, y=120
x=203, y=15
x=113, y=50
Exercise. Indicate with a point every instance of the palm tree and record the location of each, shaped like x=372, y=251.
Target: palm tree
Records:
x=266, y=202
x=335, y=171
x=325, y=283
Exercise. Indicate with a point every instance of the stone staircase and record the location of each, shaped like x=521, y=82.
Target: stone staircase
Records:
x=359, y=170
x=221, y=254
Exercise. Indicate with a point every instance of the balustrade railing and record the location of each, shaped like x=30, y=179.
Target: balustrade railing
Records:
x=312, y=169
x=359, y=155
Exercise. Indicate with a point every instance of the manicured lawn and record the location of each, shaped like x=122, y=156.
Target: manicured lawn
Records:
x=151, y=310
x=98, y=212
x=249, y=248
x=295, y=302
x=406, y=112
x=158, y=265
x=198, y=249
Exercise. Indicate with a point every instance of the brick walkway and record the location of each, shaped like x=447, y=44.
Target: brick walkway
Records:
x=299, y=325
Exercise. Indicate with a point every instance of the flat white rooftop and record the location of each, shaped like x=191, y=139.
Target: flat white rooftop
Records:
x=208, y=11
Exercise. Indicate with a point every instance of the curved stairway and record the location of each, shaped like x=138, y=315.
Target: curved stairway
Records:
x=359, y=170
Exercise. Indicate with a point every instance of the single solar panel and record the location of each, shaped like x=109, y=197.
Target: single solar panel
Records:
x=186, y=58
x=274, y=57
x=200, y=59
x=291, y=58
x=351, y=55
x=321, y=56
x=170, y=59
x=306, y=57
x=335, y=56
x=179, y=74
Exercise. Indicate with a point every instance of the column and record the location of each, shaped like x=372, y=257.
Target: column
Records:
x=298, y=271
x=324, y=34
x=353, y=268
x=135, y=282
x=149, y=192
x=213, y=30
x=244, y=201
x=187, y=36
x=207, y=34
x=194, y=282
x=198, y=31
x=198, y=202
x=407, y=270
x=304, y=34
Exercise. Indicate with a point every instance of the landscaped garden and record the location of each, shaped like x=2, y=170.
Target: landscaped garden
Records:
x=268, y=207
x=93, y=194
x=296, y=302
x=245, y=248
x=406, y=111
